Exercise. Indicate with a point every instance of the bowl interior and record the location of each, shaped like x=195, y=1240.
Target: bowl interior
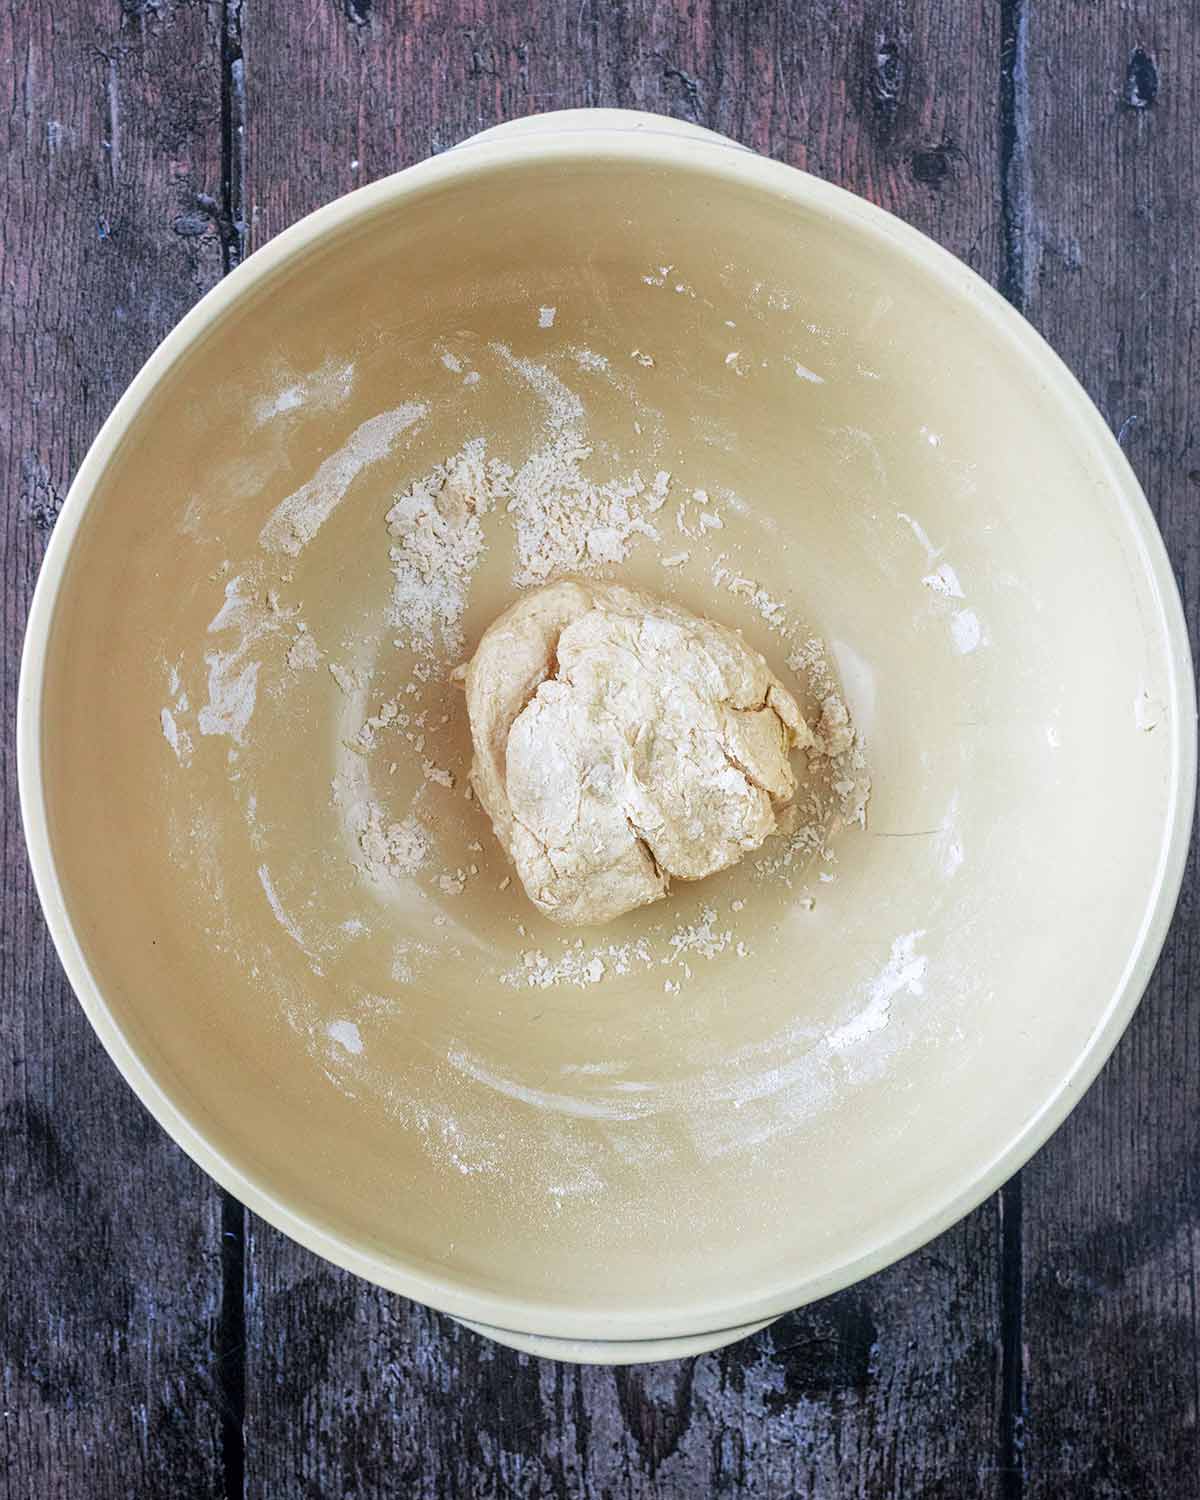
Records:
x=769, y=1080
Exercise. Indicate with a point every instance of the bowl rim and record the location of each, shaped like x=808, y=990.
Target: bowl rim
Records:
x=708, y=159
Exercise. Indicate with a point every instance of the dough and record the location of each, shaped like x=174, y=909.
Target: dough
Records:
x=621, y=742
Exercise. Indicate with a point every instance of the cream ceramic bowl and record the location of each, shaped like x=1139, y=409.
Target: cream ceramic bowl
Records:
x=708, y=1134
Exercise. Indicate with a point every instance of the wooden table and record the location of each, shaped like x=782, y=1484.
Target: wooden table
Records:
x=159, y=1341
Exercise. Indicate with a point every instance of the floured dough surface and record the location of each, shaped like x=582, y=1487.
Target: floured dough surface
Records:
x=621, y=742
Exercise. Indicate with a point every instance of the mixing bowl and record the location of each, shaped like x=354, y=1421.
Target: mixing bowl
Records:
x=243, y=765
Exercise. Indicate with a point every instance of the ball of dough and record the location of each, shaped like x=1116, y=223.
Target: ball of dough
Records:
x=622, y=742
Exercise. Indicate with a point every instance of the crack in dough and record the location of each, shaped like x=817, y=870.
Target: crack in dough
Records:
x=622, y=742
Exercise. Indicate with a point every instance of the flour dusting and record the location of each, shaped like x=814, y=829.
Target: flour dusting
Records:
x=439, y=540
x=566, y=522
x=904, y=973
x=178, y=738
x=232, y=674
x=295, y=521
x=323, y=389
x=284, y=918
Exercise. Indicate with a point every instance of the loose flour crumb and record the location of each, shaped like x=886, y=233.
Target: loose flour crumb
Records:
x=303, y=654
x=577, y=965
x=700, y=940
x=395, y=850
x=349, y=682
x=567, y=523
x=367, y=736
x=436, y=774
x=440, y=543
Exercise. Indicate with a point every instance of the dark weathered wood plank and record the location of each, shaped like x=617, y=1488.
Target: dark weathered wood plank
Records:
x=893, y=98
x=878, y=1391
x=1105, y=198
x=891, y=1389
x=110, y=1279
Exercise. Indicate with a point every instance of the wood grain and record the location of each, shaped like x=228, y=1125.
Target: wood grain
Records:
x=894, y=98
x=888, y=1389
x=111, y=1265
x=356, y=1393
x=1108, y=221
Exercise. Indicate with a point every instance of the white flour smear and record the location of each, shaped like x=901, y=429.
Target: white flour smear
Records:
x=758, y=1092
x=285, y=919
x=582, y=1107
x=295, y=521
x=321, y=390
x=904, y=972
x=178, y=738
x=232, y=673
x=170, y=717
x=346, y=1034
